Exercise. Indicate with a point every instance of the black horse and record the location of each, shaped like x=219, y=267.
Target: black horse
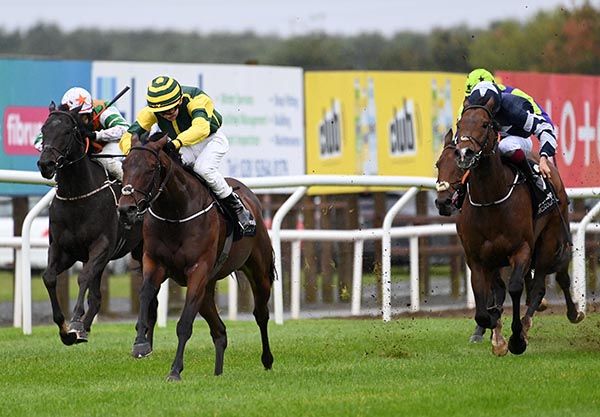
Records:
x=84, y=221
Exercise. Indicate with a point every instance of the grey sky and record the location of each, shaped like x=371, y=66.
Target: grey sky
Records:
x=281, y=17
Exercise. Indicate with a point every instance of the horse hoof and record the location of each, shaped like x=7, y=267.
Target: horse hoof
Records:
x=578, y=318
x=517, y=345
x=527, y=323
x=141, y=350
x=476, y=338
x=267, y=360
x=173, y=377
x=500, y=350
x=68, y=339
x=543, y=305
x=82, y=337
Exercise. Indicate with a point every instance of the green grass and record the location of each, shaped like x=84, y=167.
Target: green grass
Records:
x=408, y=367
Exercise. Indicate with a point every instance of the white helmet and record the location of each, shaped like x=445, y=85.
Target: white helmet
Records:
x=77, y=96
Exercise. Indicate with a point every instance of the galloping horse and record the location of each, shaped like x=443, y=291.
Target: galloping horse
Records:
x=497, y=228
x=84, y=221
x=189, y=239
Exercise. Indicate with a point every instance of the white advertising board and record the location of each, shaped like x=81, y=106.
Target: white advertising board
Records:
x=262, y=108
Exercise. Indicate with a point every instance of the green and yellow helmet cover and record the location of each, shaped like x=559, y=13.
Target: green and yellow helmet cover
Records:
x=163, y=94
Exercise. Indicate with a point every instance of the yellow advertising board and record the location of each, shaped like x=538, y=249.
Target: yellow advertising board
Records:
x=370, y=123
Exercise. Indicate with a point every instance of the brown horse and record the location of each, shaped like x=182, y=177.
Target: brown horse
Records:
x=497, y=229
x=190, y=240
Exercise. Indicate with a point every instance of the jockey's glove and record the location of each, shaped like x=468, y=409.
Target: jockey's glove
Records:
x=171, y=147
x=87, y=133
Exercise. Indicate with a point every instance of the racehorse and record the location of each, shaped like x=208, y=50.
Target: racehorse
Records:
x=497, y=228
x=84, y=221
x=189, y=239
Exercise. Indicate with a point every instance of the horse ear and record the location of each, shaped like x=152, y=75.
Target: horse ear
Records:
x=491, y=103
x=448, y=137
x=135, y=140
x=52, y=106
x=162, y=141
x=75, y=110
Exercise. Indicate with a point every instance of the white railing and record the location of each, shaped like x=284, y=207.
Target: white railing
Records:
x=301, y=184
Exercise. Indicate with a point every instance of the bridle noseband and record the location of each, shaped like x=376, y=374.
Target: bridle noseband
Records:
x=74, y=136
x=148, y=197
x=491, y=127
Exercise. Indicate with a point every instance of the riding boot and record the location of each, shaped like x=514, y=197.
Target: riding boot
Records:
x=234, y=206
x=542, y=193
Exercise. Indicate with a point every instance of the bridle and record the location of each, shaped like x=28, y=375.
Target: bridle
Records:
x=73, y=137
x=441, y=186
x=156, y=188
x=492, y=127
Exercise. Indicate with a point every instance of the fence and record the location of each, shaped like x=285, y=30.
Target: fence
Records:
x=300, y=185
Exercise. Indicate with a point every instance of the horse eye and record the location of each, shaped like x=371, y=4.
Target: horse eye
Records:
x=486, y=125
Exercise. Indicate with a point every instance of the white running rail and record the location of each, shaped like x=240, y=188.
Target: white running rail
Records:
x=299, y=186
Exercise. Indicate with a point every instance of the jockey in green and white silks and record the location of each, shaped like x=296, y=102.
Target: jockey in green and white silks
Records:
x=105, y=130
x=188, y=116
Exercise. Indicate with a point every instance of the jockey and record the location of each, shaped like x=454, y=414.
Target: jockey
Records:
x=517, y=122
x=105, y=130
x=188, y=116
x=480, y=74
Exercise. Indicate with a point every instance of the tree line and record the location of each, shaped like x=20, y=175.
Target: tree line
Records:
x=565, y=40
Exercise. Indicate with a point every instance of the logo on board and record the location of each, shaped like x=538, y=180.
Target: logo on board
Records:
x=330, y=131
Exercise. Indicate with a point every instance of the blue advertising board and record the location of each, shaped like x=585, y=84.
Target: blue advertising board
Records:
x=28, y=87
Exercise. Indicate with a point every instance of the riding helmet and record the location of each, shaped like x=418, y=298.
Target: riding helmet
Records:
x=163, y=94
x=76, y=97
x=476, y=76
x=483, y=92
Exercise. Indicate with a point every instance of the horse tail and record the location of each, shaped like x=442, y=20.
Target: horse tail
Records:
x=272, y=270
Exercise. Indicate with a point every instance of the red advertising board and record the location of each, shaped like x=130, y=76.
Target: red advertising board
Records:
x=21, y=125
x=573, y=103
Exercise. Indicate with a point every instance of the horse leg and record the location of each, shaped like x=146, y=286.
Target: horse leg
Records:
x=477, y=336
x=193, y=299
x=91, y=272
x=499, y=345
x=58, y=262
x=537, y=291
x=481, y=283
x=564, y=281
x=94, y=300
x=517, y=343
x=152, y=317
x=218, y=332
x=154, y=275
x=261, y=289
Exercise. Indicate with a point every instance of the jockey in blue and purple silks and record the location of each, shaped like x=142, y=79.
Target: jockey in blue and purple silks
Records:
x=517, y=121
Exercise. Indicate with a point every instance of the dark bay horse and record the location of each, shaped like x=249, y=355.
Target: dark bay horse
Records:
x=497, y=228
x=187, y=238
x=84, y=221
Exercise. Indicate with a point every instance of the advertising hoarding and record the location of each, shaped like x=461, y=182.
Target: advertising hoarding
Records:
x=262, y=108
x=28, y=87
x=378, y=123
x=573, y=103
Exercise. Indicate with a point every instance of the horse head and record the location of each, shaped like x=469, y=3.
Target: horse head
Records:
x=62, y=143
x=449, y=177
x=142, y=178
x=477, y=133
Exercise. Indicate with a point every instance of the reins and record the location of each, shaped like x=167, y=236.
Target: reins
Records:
x=480, y=154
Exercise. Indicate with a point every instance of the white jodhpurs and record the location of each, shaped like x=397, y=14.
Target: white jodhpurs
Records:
x=206, y=158
x=112, y=165
x=510, y=144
